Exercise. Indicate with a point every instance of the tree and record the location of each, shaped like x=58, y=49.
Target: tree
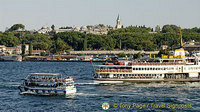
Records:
x=43, y=54
x=23, y=48
x=60, y=45
x=67, y=27
x=30, y=48
x=137, y=56
x=122, y=55
x=16, y=27
x=52, y=27
x=170, y=29
x=101, y=25
x=9, y=40
x=85, y=44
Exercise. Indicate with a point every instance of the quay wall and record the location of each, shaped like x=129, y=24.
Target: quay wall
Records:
x=97, y=52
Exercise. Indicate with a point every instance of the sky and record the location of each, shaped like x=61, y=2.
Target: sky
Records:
x=76, y=13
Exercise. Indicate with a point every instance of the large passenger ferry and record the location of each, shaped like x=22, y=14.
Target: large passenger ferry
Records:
x=177, y=67
x=47, y=84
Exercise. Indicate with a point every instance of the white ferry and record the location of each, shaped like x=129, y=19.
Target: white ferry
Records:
x=47, y=84
x=176, y=67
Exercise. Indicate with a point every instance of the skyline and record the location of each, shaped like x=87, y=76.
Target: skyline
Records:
x=35, y=13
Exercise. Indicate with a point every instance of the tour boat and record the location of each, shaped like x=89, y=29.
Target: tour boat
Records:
x=47, y=84
x=177, y=67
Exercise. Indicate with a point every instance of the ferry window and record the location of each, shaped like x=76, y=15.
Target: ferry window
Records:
x=147, y=68
x=133, y=68
x=120, y=74
x=136, y=68
x=139, y=68
x=123, y=74
x=160, y=74
x=150, y=68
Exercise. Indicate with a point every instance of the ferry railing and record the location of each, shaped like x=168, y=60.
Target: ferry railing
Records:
x=149, y=63
x=113, y=70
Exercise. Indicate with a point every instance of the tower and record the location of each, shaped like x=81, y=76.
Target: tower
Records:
x=118, y=25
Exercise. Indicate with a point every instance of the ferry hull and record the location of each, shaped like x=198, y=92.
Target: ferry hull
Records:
x=43, y=91
x=113, y=81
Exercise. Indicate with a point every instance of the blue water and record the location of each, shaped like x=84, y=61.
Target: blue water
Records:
x=90, y=96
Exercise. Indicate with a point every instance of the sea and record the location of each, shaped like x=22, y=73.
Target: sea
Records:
x=91, y=97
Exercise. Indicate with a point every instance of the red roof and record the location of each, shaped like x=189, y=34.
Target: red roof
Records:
x=13, y=48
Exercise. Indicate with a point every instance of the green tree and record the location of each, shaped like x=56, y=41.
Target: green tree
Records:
x=122, y=55
x=23, y=48
x=137, y=56
x=85, y=44
x=67, y=27
x=170, y=29
x=43, y=54
x=60, y=45
x=16, y=26
x=30, y=48
x=53, y=27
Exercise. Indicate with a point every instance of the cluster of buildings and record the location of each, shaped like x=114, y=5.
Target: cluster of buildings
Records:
x=17, y=50
x=97, y=29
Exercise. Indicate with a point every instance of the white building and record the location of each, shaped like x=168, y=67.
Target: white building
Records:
x=2, y=48
x=17, y=49
x=44, y=30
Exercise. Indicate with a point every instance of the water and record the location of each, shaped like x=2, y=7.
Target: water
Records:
x=90, y=96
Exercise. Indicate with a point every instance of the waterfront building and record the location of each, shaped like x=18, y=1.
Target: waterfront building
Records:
x=2, y=48
x=37, y=52
x=15, y=50
x=192, y=46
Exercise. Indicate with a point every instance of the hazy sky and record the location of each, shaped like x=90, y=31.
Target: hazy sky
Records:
x=37, y=13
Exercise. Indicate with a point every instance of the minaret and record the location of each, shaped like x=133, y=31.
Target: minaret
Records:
x=118, y=25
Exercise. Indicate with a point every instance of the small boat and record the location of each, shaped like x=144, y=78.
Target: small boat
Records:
x=47, y=84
